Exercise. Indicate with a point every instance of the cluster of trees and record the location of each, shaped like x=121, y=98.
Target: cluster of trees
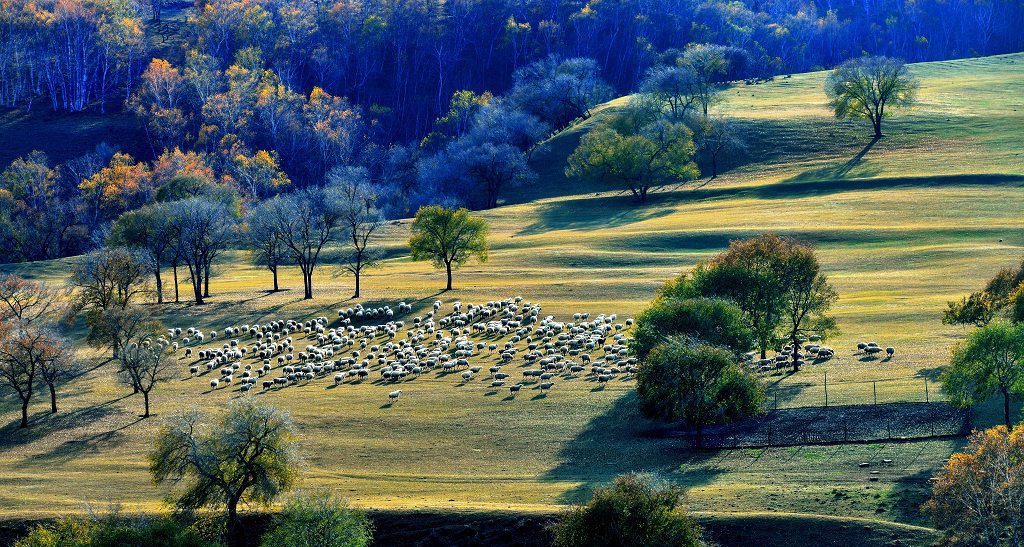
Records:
x=403, y=61
x=760, y=293
x=33, y=354
x=978, y=497
x=990, y=361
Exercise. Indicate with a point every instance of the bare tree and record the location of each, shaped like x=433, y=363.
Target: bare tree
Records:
x=23, y=353
x=58, y=365
x=265, y=240
x=205, y=229
x=105, y=283
x=306, y=220
x=144, y=363
x=26, y=302
x=360, y=219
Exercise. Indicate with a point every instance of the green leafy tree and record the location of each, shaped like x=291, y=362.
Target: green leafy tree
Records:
x=713, y=320
x=697, y=383
x=749, y=274
x=637, y=510
x=981, y=307
x=869, y=88
x=808, y=297
x=319, y=519
x=247, y=455
x=989, y=361
x=976, y=309
x=448, y=237
x=660, y=153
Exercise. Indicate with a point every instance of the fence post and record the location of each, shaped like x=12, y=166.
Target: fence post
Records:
x=874, y=390
x=926, y=390
x=826, y=389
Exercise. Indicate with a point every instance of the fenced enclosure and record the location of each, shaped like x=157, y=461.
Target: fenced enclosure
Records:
x=843, y=424
x=790, y=392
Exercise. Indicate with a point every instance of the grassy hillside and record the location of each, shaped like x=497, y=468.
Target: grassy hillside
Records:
x=924, y=215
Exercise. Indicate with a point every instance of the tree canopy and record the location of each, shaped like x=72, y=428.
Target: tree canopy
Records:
x=697, y=383
x=870, y=88
x=448, y=237
x=247, y=454
x=989, y=361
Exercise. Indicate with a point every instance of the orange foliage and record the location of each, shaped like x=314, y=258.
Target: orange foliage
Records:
x=979, y=497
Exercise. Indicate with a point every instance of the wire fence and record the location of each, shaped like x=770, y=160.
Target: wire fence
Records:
x=843, y=424
x=804, y=391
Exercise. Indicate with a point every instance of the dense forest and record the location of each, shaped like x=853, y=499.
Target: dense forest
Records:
x=401, y=61
x=427, y=102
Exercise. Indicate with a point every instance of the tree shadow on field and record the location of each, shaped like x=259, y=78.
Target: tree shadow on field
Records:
x=930, y=374
x=580, y=214
x=843, y=170
x=620, y=441
x=43, y=423
x=92, y=444
x=907, y=495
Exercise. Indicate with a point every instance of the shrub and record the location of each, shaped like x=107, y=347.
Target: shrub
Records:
x=637, y=510
x=319, y=520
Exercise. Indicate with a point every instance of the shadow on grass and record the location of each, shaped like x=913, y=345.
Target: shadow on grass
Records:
x=907, y=496
x=90, y=445
x=44, y=423
x=593, y=213
x=620, y=441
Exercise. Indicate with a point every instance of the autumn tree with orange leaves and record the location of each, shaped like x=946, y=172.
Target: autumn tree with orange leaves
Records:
x=122, y=185
x=978, y=499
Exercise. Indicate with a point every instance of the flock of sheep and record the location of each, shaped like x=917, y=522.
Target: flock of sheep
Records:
x=367, y=342
x=810, y=348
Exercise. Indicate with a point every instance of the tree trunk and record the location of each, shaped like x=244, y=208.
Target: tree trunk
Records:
x=233, y=522
x=356, y=295
x=796, y=358
x=1006, y=408
x=714, y=165
x=176, y=299
x=53, y=399
x=206, y=281
x=274, y=270
x=197, y=284
x=307, y=281
x=448, y=266
x=878, y=127
x=24, y=413
x=159, y=285
x=145, y=402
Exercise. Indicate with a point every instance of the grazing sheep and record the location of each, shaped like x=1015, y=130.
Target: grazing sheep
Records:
x=514, y=389
x=546, y=386
x=890, y=351
x=339, y=378
x=394, y=395
x=214, y=383
x=603, y=379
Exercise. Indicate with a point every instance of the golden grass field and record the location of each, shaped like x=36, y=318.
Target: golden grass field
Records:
x=921, y=217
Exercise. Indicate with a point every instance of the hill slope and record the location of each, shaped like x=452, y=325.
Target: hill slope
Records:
x=925, y=215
